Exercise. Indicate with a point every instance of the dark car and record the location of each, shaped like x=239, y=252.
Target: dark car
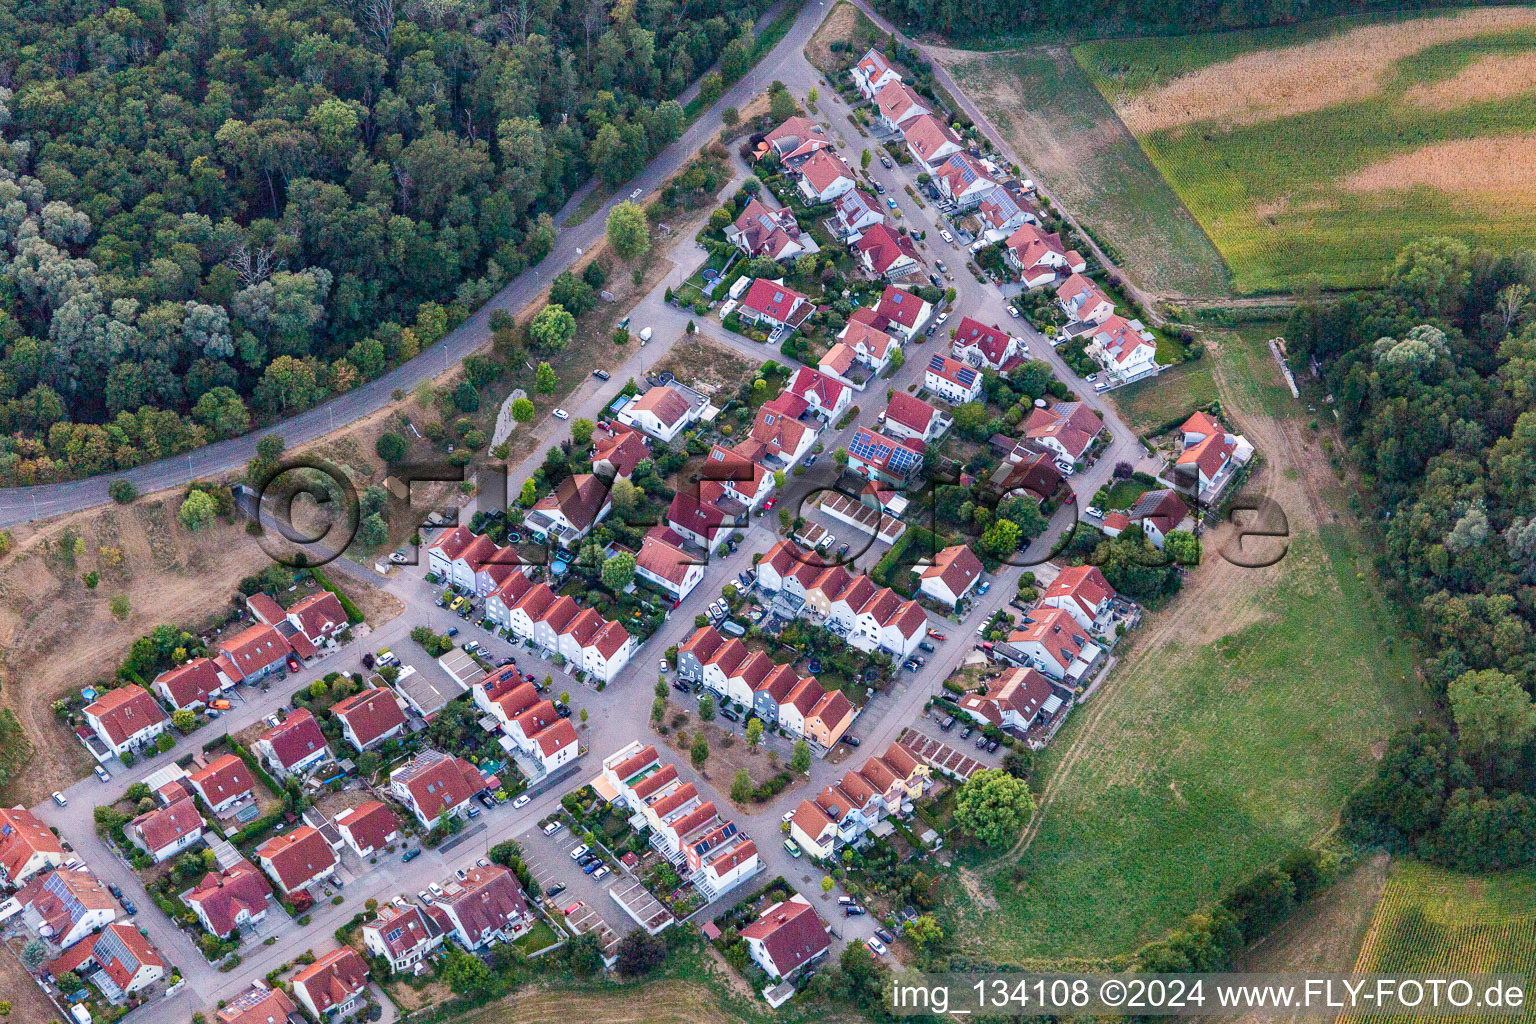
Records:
x=852, y=741
x=730, y=715
x=981, y=742
x=130, y=907
x=486, y=799
x=115, y=890
x=563, y=711
x=410, y=855
x=600, y=374
x=555, y=890
x=965, y=733
x=592, y=865
x=992, y=746
x=883, y=935
x=452, y=631
x=925, y=645
x=853, y=910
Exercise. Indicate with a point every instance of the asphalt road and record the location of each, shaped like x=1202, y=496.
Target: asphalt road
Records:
x=25, y=504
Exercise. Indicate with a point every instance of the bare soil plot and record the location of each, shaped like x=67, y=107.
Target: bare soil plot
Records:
x=1498, y=169
x=845, y=23
x=1494, y=77
x=700, y=360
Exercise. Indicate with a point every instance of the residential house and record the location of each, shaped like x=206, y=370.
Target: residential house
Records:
x=706, y=515
x=370, y=717
x=795, y=140
x=125, y=719
x=319, y=617
x=118, y=958
x=368, y=828
x=929, y=140
x=292, y=746
x=761, y=231
x=786, y=937
x=853, y=212
x=166, y=831
x=404, y=936
x=892, y=460
x=191, y=686
x=663, y=412
x=1001, y=213
x=1159, y=513
x=253, y=653
x=334, y=986
x=898, y=102
x=1026, y=471
x=744, y=480
x=1082, y=301
x=775, y=304
x=260, y=1004
x=229, y=899
x=297, y=859
x=1123, y=347
x=605, y=653
x=909, y=417
x=223, y=783
x=1039, y=256
x=872, y=346
x=617, y=451
x=899, y=312
x=827, y=397
x=779, y=439
x=1054, y=643
x=65, y=905
x=664, y=563
x=1082, y=592
x=629, y=765
x=1065, y=429
x=1210, y=456
x=27, y=846
x=964, y=180
x=434, y=786
x=829, y=719
x=505, y=596
x=443, y=552
x=950, y=575
x=503, y=695
x=952, y=380
x=695, y=652
x=813, y=830
x=721, y=859
x=983, y=346
x=566, y=516
x=486, y=906
x=800, y=702
x=824, y=176
x=1015, y=700
x=872, y=73
x=887, y=254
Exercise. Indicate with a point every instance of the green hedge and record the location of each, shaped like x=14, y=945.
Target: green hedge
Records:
x=256, y=769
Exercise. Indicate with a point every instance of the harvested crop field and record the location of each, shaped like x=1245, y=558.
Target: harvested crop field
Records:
x=1306, y=154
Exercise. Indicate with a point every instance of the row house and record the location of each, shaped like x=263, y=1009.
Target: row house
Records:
x=65, y=905
x=293, y=746
x=120, y=960
x=663, y=562
x=872, y=73
x=558, y=625
x=27, y=846
x=911, y=418
x=370, y=717
x=1038, y=256
x=191, y=686
x=298, y=859
x=840, y=814
x=950, y=575
x=529, y=721
x=230, y=899
x=123, y=720
x=435, y=786
x=952, y=380
x=567, y=514
x=761, y=231
x=1065, y=429
x=720, y=858
x=983, y=346
x=334, y=987
x=1015, y=701
x=629, y=765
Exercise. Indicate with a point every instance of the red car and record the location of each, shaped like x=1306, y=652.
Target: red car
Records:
x=768, y=505
x=574, y=907
x=935, y=634
x=293, y=663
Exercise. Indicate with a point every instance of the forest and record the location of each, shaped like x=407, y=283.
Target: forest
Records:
x=980, y=20
x=1433, y=379
x=217, y=214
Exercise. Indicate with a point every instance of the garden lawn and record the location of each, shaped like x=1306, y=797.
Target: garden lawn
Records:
x=1172, y=394
x=1212, y=759
x=1293, y=187
x=1125, y=492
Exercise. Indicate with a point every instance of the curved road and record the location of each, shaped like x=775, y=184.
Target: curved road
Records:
x=25, y=504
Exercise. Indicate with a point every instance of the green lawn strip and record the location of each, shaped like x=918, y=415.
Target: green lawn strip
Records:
x=1212, y=761
x=1172, y=394
x=1125, y=492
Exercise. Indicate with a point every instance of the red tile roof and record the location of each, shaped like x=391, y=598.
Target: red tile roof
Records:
x=298, y=857
x=439, y=782
x=320, y=615
x=912, y=413
x=557, y=737
x=776, y=301
x=823, y=169
x=197, y=680
x=333, y=979
x=370, y=713
x=883, y=248
x=295, y=738
x=1083, y=584
x=957, y=566
x=223, y=895
x=164, y=826
x=899, y=306
x=23, y=836
x=790, y=932
x=125, y=712
x=255, y=648
x=223, y=779
x=265, y=608
x=370, y=824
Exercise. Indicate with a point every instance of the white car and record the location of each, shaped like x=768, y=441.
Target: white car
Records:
x=947, y=237
x=875, y=946
x=425, y=897
x=942, y=317
x=561, y=414
x=1065, y=466
x=1091, y=378
x=600, y=873
x=636, y=194
x=553, y=827
x=663, y=664
x=58, y=798
x=789, y=816
x=103, y=774
x=1094, y=512
x=1013, y=311
x=577, y=853
x=437, y=890
x=521, y=801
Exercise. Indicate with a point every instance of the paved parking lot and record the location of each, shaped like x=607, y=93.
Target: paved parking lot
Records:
x=549, y=861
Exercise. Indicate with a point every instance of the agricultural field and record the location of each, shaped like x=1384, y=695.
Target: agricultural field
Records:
x=1237, y=722
x=1064, y=131
x=1433, y=921
x=1306, y=154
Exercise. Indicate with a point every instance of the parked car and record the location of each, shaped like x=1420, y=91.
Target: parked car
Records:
x=882, y=934
x=58, y=798
x=768, y=505
x=965, y=733
x=852, y=741
x=1013, y=311
x=992, y=746
x=793, y=849
x=935, y=634
x=947, y=724
x=890, y=201
x=130, y=908
x=580, y=851
x=555, y=890
x=552, y=828
x=885, y=161
x=591, y=866
x=601, y=872
x=103, y=774
x=729, y=715
x=600, y=374
x=947, y=236
x=875, y=946
x=981, y=742
x=462, y=874
x=115, y=889
x=521, y=801
x=853, y=910
x=561, y=414
x=984, y=586
x=574, y=907
x=789, y=816
x=425, y=897
x=410, y=855
x=924, y=645
x=437, y=890
x=879, y=188
x=942, y=317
